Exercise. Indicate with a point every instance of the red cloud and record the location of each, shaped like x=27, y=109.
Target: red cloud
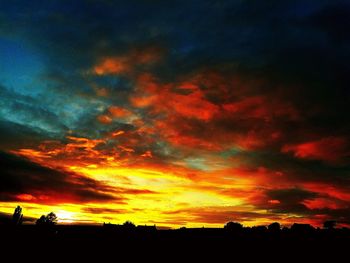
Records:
x=260, y=107
x=321, y=203
x=184, y=99
x=209, y=111
x=330, y=149
x=193, y=105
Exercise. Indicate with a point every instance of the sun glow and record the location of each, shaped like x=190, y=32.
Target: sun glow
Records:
x=64, y=216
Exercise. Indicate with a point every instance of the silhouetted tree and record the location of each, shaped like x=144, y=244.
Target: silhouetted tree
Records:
x=274, y=227
x=17, y=217
x=259, y=229
x=48, y=220
x=330, y=224
x=302, y=228
x=41, y=221
x=129, y=225
x=233, y=226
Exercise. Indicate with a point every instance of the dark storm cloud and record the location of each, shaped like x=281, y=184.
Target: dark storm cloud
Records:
x=304, y=203
x=14, y=135
x=293, y=195
x=197, y=32
x=290, y=200
x=298, y=170
x=22, y=180
x=283, y=40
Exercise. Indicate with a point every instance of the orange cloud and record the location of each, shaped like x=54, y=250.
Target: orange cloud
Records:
x=143, y=101
x=117, y=133
x=147, y=154
x=104, y=119
x=329, y=149
x=112, y=65
x=126, y=149
x=193, y=105
x=119, y=112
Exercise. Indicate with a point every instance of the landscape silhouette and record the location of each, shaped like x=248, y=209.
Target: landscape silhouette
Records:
x=273, y=239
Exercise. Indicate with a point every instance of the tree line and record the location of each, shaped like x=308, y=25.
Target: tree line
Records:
x=51, y=219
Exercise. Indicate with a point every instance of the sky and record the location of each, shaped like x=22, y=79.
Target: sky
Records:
x=176, y=113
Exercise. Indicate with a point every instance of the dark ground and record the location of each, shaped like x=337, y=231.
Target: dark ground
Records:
x=217, y=245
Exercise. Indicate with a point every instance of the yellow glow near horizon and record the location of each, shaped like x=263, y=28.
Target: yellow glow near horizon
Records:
x=171, y=193
x=171, y=197
x=64, y=216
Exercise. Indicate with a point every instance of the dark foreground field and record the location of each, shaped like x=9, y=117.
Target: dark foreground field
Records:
x=146, y=243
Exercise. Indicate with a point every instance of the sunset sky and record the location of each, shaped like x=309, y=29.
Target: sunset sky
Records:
x=176, y=113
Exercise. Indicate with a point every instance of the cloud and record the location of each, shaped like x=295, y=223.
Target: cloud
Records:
x=26, y=110
x=99, y=210
x=26, y=181
x=119, y=112
x=330, y=149
x=222, y=215
x=316, y=206
x=14, y=135
x=128, y=62
x=289, y=200
x=105, y=119
x=111, y=66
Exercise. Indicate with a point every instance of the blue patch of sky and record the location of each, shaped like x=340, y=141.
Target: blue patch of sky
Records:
x=20, y=68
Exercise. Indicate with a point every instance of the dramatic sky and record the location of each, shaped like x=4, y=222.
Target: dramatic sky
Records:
x=176, y=113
